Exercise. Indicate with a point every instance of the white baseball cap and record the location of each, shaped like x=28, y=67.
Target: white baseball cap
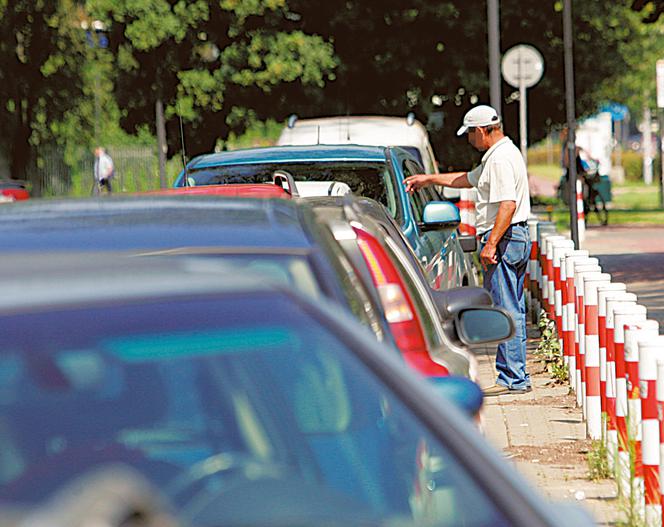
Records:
x=482, y=115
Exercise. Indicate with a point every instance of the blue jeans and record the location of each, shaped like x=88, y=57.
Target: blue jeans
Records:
x=504, y=281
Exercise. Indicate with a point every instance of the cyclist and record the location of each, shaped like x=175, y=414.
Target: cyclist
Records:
x=588, y=172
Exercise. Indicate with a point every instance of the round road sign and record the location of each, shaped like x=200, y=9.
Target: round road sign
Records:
x=522, y=64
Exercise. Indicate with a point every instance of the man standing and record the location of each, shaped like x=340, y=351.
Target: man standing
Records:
x=103, y=170
x=503, y=208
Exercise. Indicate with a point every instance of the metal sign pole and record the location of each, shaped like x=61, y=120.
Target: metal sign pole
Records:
x=659, y=74
x=493, y=18
x=523, y=114
x=571, y=119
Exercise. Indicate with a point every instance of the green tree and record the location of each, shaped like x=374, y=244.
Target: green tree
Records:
x=396, y=57
x=208, y=62
x=42, y=49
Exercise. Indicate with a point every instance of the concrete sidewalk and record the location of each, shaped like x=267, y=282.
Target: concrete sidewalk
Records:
x=544, y=435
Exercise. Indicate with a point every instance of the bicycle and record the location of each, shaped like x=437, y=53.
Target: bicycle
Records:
x=593, y=201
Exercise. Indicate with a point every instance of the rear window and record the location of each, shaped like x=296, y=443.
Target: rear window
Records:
x=372, y=180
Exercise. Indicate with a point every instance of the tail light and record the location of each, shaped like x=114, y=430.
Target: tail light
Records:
x=398, y=306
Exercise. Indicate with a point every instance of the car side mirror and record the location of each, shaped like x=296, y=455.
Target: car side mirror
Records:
x=461, y=391
x=479, y=326
x=468, y=243
x=439, y=215
x=451, y=301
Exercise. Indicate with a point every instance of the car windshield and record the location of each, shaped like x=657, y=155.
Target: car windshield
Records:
x=369, y=179
x=247, y=411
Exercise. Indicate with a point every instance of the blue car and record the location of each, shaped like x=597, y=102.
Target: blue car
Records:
x=374, y=172
x=177, y=396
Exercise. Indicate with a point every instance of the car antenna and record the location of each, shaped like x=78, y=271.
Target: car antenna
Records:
x=184, y=155
x=318, y=134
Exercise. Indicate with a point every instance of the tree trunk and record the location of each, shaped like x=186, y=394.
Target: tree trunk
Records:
x=161, y=141
x=19, y=156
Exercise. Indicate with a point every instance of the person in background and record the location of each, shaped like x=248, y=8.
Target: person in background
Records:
x=104, y=170
x=503, y=208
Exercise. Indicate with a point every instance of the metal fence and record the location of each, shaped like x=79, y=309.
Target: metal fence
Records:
x=56, y=171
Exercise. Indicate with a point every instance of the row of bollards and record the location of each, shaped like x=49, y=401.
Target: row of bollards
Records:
x=615, y=361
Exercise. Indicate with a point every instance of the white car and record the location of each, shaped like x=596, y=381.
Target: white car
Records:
x=407, y=133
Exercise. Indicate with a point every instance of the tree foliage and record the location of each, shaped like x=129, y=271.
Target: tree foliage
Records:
x=209, y=62
x=42, y=49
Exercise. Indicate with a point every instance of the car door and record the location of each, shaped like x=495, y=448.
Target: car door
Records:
x=437, y=249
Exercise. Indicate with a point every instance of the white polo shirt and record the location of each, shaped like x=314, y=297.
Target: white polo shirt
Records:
x=502, y=176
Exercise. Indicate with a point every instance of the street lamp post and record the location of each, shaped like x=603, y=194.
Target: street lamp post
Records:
x=570, y=104
x=493, y=20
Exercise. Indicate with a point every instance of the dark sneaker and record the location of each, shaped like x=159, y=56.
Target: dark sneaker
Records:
x=499, y=389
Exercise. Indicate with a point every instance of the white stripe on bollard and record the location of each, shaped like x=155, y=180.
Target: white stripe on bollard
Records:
x=650, y=351
x=634, y=333
x=580, y=213
x=591, y=281
x=623, y=315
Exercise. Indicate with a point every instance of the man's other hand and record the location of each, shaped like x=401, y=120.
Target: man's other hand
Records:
x=488, y=255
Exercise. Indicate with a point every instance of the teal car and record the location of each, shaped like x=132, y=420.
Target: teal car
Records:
x=429, y=223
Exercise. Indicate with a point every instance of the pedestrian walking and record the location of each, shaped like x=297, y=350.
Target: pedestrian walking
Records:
x=104, y=170
x=503, y=208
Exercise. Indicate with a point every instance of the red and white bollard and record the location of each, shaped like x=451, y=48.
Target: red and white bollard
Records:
x=569, y=311
x=651, y=350
x=559, y=249
x=531, y=273
x=544, y=228
x=547, y=270
x=602, y=293
x=623, y=315
x=658, y=347
x=580, y=269
x=591, y=281
x=612, y=301
x=466, y=205
x=633, y=334
x=580, y=213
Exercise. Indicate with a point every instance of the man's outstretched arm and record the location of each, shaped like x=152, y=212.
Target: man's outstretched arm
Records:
x=449, y=179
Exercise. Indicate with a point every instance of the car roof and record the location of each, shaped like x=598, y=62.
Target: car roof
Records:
x=59, y=279
x=119, y=223
x=361, y=130
x=290, y=154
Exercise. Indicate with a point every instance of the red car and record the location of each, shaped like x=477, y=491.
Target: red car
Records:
x=12, y=191
x=242, y=190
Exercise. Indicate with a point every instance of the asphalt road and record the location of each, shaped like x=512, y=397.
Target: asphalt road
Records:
x=633, y=255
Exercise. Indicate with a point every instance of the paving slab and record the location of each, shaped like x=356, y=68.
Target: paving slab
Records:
x=544, y=435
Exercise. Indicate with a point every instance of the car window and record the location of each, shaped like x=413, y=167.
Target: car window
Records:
x=418, y=199
x=370, y=179
x=293, y=272
x=352, y=288
x=248, y=400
